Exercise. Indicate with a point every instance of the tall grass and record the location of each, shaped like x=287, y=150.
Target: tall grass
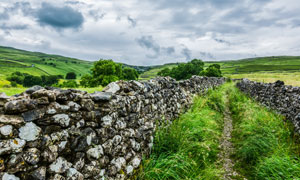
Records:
x=264, y=141
x=188, y=148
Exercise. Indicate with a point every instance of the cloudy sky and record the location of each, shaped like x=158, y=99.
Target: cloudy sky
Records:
x=147, y=32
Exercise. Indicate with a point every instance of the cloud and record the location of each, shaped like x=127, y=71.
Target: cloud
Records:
x=131, y=21
x=13, y=27
x=187, y=53
x=169, y=50
x=148, y=43
x=59, y=17
x=153, y=31
x=207, y=55
x=97, y=14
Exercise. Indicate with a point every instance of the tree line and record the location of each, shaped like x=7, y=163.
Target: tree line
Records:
x=194, y=67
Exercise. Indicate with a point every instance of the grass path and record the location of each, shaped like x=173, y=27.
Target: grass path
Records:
x=226, y=145
x=225, y=135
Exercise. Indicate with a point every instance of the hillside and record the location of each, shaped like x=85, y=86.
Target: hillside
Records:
x=37, y=63
x=274, y=64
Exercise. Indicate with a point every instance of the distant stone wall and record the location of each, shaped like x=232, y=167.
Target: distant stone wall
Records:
x=282, y=98
x=70, y=134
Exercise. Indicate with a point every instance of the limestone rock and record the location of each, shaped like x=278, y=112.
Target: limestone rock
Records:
x=39, y=173
x=29, y=132
x=11, y=119
x=18, y=106
x=112, y=88
x=11, y=146
x=6, y=130
x=61, y=165
x=95, y=152
x=101, y=96
x=62, y=119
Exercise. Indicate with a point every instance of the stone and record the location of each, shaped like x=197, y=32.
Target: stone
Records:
x=11, y=146
x=61, y=165
x=7, y=176
x=6, y=130
x=39, y=173
x=62, y=119
x=106, y=121
x=129, y=169
x=32, y=115
x=73, y=174
x=74, y=107
x=101, y=96
x=11, y=119
x=33, y=89
x=57, y=177
x=18, y=106
x=112, y=87
x=51, y=111
x=95, y=152
x=32, y=156
x=119, y=163
x=29, y=132
x=136, y=161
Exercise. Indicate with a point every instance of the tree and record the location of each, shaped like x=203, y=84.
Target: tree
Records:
x=30, y=80
x=17, y=77
x=71, y=75
x=130, y=74
x=213, y=70
x=49, y=80
x=106, y=71
x=184, y=70
x=88, y=81
x=164, y=72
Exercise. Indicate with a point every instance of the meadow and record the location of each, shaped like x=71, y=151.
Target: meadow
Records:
x=264, y=144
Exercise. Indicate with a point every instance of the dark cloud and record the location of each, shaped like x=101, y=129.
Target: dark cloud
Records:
x=4, y=26
x=59, y=17
x=97, y=14
x=148, y=43
x=222, y=41
x=207, y=55
x=187, y=53
x=131, y=21
x=169, y=50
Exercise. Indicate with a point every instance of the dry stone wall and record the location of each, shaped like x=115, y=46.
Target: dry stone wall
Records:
x=48, y=133
x=284, y=99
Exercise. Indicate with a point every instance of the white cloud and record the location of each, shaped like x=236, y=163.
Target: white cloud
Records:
x=179, y=29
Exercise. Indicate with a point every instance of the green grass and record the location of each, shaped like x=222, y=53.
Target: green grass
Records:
x=263, y=69
x=264, y=142
x=36, y=63
x=188, y=148
x=13, y=91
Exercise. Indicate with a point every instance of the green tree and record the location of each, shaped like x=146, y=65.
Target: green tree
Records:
x=30, y=80
x=164, y=72
x=130, y=74
x=71, y=75
x=213, y=70
x=184, y=70
x=106, y=71
x=88, y=81
x=17, y=77
x=49, y=80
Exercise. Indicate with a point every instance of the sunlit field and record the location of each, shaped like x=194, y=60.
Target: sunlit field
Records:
x=289, y=78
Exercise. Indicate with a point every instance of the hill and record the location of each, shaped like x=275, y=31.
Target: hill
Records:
x=274, y=64
x=37, y=63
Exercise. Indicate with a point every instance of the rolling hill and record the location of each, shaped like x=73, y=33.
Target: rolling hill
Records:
x=37, y=63
x=274, y=64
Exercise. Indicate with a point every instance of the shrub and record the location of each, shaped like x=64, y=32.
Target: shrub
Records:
x=71, y=75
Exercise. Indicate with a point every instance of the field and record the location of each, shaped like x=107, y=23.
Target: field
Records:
x=36, y=63
x=263, y=69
